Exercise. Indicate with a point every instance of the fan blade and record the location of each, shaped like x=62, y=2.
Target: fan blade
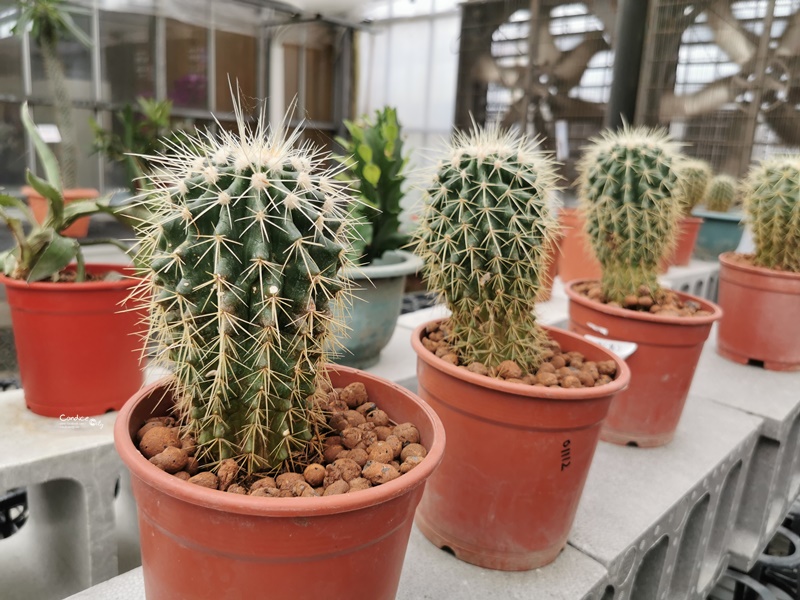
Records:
x=570, y=69
x=729, y=35
x=547, y=53
x=606, y=11
x=708, y=99
x=784, y=120
x=487, y=70
x=514, y=112
x=565, y=107
x=789, y=45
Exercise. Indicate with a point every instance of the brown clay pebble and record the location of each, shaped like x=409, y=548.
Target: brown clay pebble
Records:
x=285, y=494
x=570, y=381
x=604, y=379
x=314, y=474
x=286, y=481
x=645, y=301
x=407, y=433
x=368, y=438
x=478, y=368
x=547, y=378
x=591, y=368
x=450, y=358
x=301, y=488
x=192, y=466
x=359, y=455
x=378, y=473
x=432, y=326
x=630, y=301
x=264, y=482
x=182, y=475
x=147, y=427
x=355, y=394
x=333, y=440
x=227, y=472
x=235, y=488
x=575, y=359
x=337, y=487
x=383, y=431
x=558, y=362
x=442, y=350
x=359, y=483
x=342, y=468
x=266, y=491
x=564, y=372
x=547, y=367
x=354, y=417
x=607, y=367
x=165, y=421
x=189, y=444
x=395, y=443
x=157, y=439
x=529, y=379
x=410, y=463
x=413, y=450
x=351, y=437
x=378, y=417
x=585, y=378
x=331, y=453
x=366, y=408
x=380, y=452
x=171, y=459
x=207, y=480
x=508, y=369
x=430, y=344
x=339, y=422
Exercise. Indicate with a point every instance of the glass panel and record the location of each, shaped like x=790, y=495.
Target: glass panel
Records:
x=127, y=51
x=12, y=146
x=236, y=58
x=187, y=65
x=88, y=175
x=10, y=51
x=76, y=60
x=319, y=84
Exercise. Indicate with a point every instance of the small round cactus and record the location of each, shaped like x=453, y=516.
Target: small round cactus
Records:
x=772, y=200
x=693, y=178
x=241, y=257
x=484, y=236
x=626, y=185
x=720, y=194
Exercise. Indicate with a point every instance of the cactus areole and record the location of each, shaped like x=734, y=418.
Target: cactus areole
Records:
x=626, y=184
x=242, y=259
x=484, y=237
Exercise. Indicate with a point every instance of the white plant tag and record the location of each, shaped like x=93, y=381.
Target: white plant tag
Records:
x=49, y=133
x=597, y=328
x=618, y=347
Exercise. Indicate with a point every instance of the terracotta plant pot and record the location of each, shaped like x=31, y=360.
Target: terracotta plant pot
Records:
x=201, y=543
x=688, y=228
x=517, y=458
x=662, y=366
x=762, y=315
x=77, y=347
x=577, y=261
x=39, y=206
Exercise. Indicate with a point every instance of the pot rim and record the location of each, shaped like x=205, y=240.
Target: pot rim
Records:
x=68, y=194
x=737, y=216
x=716, y=311
x=725, y=259
x=693, y=219
x=129, y=281
x=411, y=263
x=520, y=389
x=278, y=507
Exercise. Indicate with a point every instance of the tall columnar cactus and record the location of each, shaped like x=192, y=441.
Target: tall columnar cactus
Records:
x=693, y=178
x=772, y=200
x=243, y=252
x=720, y=194
x=484, y=236
x=626, y=186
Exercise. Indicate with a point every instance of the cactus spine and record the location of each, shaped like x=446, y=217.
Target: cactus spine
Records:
x=693, y=178
x=484, y=236
x=772, y=200
x=626, y=184
x=242, y=254
x=720, y=194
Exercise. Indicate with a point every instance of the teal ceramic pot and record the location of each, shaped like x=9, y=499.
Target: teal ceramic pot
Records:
x=376, y=305
x=719, y=233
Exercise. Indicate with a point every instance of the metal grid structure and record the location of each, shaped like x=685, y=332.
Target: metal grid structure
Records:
x=725, y=77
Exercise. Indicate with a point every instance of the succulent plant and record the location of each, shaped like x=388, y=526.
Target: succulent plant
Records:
x=484, y=236
x=772, y=201
x=374, y=158
x=693, y=178
x=720, y=194
x=626, y=181
x=243, y=249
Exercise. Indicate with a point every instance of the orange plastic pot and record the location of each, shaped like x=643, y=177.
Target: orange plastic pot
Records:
x=39, y=206
x=577, y=260
x=201, y=543
x=662, y=366
x=517, y=458
x=762, y=315
x=688, y=228
x=76, y=343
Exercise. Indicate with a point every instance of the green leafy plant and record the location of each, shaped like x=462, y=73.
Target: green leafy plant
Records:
x=49, y=21
x=772, y=201
x=241, y=256
x=721, y=194
x=484, y=235
x=41, y=251
x=693, y=178
x=374, y=159
x=627, y=182
x=143, y=128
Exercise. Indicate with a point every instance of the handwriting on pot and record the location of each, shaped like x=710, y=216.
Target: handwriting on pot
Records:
x=565, y=455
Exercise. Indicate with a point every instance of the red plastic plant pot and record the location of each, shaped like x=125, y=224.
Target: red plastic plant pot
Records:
x=201, y=543
x=577, y=261
x=662, y=366
x=762, y=314
x=39, y=206
x=517, y=459
x=77, y=344
x=688, y=228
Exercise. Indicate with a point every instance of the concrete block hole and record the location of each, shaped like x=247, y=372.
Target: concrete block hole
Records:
x=689, y=547
x=608, y=594
x=13, y=511
x=648, y=577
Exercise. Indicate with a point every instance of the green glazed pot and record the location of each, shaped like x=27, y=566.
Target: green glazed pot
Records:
x=719, y=233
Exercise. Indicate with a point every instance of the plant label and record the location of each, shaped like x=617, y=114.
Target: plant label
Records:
x=620, y=348
x=49, y=133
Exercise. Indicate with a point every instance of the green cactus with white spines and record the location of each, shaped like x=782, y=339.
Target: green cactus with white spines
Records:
x=772, y=201
x=721, y=194
x=242, y=254
x=484, y=236
x=693, y=178
x=627, y=181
